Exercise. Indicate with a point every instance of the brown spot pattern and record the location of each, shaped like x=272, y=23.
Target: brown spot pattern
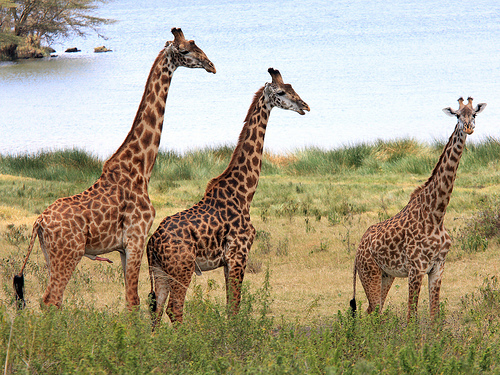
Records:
x=115, y=214
x=414, y=242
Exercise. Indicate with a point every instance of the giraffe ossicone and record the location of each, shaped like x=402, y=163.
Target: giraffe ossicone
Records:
x=114, y=214
x=414, y=242
x=217, y=231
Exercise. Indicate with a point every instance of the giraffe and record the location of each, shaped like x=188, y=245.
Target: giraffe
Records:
x=415, y=242
x=115, y=213
x=217, y=231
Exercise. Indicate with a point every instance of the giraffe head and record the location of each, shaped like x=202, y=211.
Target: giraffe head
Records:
x=465, y=114
x=187, y=53
x=282, y=95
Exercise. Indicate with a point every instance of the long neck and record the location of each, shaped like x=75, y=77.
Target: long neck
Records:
x=138, y=152
x=241, y=177
x=437, y=190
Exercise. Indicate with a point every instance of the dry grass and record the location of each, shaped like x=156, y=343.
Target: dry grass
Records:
x=313, y=280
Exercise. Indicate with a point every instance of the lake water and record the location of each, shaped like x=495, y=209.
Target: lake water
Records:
x=368, y=69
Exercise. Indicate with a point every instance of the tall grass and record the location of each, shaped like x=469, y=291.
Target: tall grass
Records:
x=63, y=173
x=68, y=165
x=401, y=156
x=76, y=340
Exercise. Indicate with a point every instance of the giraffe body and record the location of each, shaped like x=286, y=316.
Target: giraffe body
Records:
x=115, y=213
x=217, y=231
x=414, y=242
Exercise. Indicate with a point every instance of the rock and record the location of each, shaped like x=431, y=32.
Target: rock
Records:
x=74, y=49
x=101, y=49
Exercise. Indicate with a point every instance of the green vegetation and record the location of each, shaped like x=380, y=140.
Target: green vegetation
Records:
x=90, y=340
x=310, y=210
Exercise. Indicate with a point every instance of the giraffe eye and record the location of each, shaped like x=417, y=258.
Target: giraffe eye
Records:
x=184, y=52
x=280, y=93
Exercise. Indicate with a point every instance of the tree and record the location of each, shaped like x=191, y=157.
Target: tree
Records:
x=32, y=22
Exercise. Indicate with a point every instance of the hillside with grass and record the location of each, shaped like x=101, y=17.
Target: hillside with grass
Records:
x=310, y=210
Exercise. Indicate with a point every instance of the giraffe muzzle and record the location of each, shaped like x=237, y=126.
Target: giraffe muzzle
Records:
x=468, y=129
x=305, y=107
x=209, y=67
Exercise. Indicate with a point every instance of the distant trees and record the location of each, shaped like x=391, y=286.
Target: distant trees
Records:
x=26, y=24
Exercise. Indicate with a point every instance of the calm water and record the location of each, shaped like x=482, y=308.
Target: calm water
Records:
x=368, y=69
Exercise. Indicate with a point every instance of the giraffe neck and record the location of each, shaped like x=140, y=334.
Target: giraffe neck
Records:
x=241, y=177
x=437, y=190
x=137, y=154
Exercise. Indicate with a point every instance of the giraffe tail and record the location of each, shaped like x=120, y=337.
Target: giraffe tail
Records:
x=19, y=278
x=152, y=294
x=353, y=301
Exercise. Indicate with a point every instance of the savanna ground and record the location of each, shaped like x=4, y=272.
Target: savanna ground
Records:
x=310, y=211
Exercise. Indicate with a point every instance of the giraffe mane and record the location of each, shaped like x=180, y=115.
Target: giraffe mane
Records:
x=434, y=171
x=137, y=118
x=242, y=136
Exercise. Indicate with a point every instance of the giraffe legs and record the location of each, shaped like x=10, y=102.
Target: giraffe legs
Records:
x=387, y=281
x=435, y=277
x=234, y=271
x=131, y=259
x=61, y=262
x=370, y=275
x=414, y=285
x=178, y=290
x=60, y=271
x=161, y=291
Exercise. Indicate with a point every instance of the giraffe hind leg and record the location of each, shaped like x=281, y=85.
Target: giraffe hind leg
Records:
x=179, y=283
x=387, y=281
x=59, y=275
x=160, y=295
x=371, y=278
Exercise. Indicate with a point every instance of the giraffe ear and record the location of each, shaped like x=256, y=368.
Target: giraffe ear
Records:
x=479, y=108
x=449, y=111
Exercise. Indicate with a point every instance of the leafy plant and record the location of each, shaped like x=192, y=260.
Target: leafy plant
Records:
x=16, y=235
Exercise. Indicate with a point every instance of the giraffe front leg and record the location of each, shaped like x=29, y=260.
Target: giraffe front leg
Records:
x=435, y=277
x=234, y=273
x=414, y=285
x=235, y=265
x=131, y=263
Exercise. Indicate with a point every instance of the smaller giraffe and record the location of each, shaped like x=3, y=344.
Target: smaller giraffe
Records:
x=217, y=231
x=414, y=242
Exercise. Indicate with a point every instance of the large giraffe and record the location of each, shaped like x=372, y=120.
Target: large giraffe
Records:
x=217, y=231
x=114, y=214
x=414, y=242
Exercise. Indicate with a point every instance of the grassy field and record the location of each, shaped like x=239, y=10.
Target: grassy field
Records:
x=310, y=211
